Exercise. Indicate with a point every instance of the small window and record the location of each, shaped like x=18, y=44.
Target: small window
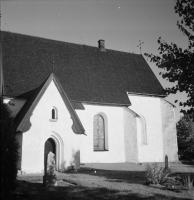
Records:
x=54, y=114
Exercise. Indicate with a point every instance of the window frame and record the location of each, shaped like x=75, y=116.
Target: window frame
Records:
x=105, y=131
x=54, y=114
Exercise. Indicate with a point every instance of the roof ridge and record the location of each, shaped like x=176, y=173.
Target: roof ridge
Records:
x=85, y=73
x=54, y=40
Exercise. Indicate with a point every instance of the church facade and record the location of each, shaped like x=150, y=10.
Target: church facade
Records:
x=85, y=104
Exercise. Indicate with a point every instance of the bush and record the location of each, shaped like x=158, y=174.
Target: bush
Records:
x=185, y=137
x=188, y=182
x=157, y=175
x=9, y=152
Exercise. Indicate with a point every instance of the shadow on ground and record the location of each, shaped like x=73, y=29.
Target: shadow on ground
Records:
x=116, y=175
x=27, y=190
x=191, y=163
x=133, y=177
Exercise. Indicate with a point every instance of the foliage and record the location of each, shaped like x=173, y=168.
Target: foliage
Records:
x=188, y=182
x=185, y=136
x=9, y=152
x=177, y=63
x=157, y=175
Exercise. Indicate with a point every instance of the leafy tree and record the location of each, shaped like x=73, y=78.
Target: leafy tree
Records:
x=185, y=136
x=178, y=64
x=9, y=152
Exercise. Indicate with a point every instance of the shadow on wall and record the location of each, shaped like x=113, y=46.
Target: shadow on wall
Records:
x=21, y=125
x=19, y=136
x=22, y=120
x=75, y=162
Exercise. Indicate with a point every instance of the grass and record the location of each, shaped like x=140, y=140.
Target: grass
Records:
x=102, y=181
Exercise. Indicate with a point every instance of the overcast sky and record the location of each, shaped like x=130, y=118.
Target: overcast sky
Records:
x=121, y=23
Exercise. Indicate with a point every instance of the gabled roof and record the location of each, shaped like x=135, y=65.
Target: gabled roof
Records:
x=22, y=120
x=86, y=73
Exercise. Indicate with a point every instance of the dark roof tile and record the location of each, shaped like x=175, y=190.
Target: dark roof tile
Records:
x=86, y=73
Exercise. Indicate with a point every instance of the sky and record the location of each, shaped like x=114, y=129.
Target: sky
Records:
x=123, y=24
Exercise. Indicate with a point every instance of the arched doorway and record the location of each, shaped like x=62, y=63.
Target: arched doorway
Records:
x=49, y=146
x=53, y=143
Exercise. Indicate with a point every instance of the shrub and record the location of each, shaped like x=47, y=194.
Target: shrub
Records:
x=188, y=182
x=185, y=137
x=9, y=152
x=157, y=175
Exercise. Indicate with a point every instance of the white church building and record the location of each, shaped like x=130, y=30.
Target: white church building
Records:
x=85, y=104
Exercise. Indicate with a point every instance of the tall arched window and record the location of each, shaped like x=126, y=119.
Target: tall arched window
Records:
x=99, y=133
x=143, y=130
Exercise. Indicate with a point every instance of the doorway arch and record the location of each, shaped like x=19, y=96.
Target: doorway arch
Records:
x=49, y=146
x=55, y=142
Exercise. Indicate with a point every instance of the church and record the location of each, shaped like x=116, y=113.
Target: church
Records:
x=85, y=104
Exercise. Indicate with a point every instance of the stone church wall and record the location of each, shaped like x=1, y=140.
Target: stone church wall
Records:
x=114, y=134
x=169, y=131
x=123, y=132
x=130, y=135
x=43, y=128
x=149, y=109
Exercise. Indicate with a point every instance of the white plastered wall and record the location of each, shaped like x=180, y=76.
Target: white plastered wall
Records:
x=114, y=123
x=150, y=109
x=169, y=131
x=67, y=142
x=131, y=146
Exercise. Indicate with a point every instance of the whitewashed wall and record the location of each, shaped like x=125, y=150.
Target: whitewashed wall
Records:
x=115, y=130
x=169, y=131
x=130, y=135
x=42, y=128
x=150, y=109
x=122, y=130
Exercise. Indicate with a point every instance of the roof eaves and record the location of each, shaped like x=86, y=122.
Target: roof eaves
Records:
x=169, y=103
x=132, y=112
x=151, y=71
x=144, y=94
x=103, y=104
x=77, y=125
x=22, y=120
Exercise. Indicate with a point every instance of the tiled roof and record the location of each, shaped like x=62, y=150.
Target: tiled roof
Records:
x=86, y=73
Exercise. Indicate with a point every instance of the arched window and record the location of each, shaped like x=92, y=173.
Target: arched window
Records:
x=99, y=133
x=143, y=130
x=54, y=114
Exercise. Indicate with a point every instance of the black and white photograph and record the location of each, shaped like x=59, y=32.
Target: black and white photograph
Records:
x=97, y=99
